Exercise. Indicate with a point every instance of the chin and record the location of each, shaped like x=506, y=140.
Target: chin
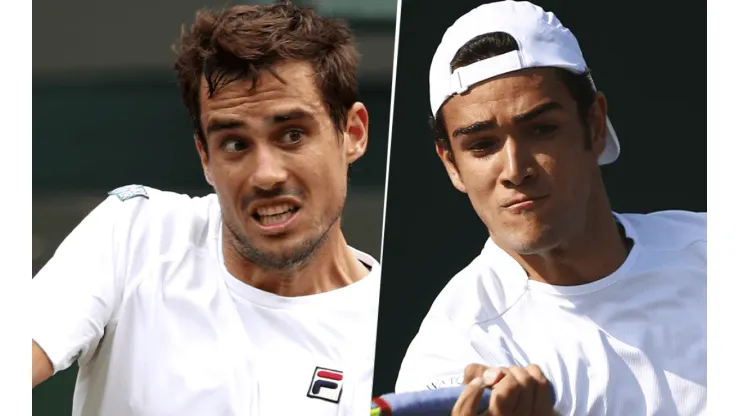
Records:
x=289, y=247
x=287, y=251
x=282, y=255
x=531, y=248
x=526, y=241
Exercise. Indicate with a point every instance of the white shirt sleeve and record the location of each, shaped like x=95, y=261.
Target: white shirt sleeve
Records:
x=437, y=356
x=76, y=293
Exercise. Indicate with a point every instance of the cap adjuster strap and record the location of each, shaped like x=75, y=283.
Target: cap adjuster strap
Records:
x=463, y=78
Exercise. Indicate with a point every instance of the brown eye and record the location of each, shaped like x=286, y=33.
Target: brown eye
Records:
x=233, y=145
x=543, y=130
x=482, y=146
x=292, y=136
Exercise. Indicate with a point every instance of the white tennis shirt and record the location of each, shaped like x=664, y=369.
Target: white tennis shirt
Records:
x=138, y=293
x=632, y=343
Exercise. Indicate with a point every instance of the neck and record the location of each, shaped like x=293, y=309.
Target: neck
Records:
x=597, y=250
x=332, y=266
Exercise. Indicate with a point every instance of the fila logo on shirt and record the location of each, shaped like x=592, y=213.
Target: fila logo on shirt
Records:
x=326, y=385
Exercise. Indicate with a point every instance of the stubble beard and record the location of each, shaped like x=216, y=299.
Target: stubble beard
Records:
x=296, y=259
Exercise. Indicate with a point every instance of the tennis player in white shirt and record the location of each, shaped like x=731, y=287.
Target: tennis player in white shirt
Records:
x=248, y=301
x=608, y=308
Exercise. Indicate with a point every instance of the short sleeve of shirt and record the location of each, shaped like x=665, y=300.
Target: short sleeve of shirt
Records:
x=76, y=292
x=437, y=356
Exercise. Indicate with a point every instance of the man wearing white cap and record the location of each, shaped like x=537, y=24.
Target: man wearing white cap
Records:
x=609, y=308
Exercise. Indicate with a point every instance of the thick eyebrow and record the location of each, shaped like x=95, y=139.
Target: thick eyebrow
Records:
x=217, y=125
x=291, y=115
x=220, y=125
x=537, y=111
x=530, y=115
x=476, y=127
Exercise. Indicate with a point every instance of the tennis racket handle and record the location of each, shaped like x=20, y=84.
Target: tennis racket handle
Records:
x=438, y=402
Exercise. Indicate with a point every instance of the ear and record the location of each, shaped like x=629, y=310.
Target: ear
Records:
x=203, y=154
x=445, y=155
x=597, y=124
x=355, y=132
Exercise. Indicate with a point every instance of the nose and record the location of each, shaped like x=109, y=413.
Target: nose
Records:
x=518, y=163
x=269, y=169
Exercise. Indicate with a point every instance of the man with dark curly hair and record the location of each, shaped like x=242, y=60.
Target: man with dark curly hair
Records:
x=248, y=301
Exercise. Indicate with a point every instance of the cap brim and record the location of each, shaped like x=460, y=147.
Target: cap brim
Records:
x=611, y=151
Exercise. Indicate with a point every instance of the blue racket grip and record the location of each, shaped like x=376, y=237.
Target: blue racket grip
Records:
x=438, y=402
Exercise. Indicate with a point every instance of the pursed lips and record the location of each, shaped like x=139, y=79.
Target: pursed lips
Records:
x=521, y=199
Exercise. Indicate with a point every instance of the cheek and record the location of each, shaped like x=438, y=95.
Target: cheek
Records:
x=227, y=179
x=479, y=177
x=322, y=170
x=568, y=181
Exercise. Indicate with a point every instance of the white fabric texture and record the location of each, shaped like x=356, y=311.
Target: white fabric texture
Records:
x=632, y=343
x=138, y=293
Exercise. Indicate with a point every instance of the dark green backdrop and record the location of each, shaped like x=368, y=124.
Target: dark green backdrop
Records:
x=98, y=132
x=648, y=58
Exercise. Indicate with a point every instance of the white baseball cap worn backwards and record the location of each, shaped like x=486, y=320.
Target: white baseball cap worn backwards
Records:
x=543, y=42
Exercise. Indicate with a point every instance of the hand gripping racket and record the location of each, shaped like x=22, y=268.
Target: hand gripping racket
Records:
x=437, y=402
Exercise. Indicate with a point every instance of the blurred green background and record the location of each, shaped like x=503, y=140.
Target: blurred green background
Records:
x=107, y=113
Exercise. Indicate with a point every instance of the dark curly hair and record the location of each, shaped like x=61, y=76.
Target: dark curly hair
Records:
x=241, y=41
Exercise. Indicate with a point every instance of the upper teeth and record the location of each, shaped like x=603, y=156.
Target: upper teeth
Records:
x=273, y=209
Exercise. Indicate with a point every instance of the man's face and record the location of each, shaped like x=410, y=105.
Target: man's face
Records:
x=520, y=154
x=278, y=163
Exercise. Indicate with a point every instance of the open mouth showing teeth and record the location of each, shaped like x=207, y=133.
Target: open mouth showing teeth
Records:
x=274, y=214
